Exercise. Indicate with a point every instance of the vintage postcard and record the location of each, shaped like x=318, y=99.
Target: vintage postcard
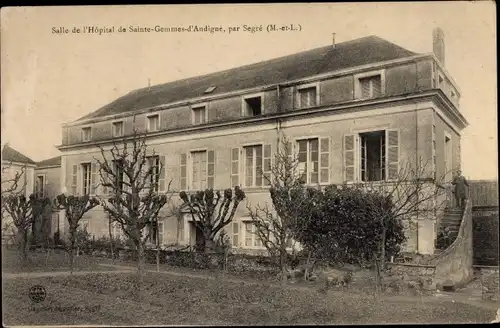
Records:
x=255, y=164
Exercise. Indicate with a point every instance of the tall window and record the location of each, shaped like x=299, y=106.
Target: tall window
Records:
x=118, y=169
x=117, y=129
x=86, y=134
x=253, y=166
x=307, y=97
x=308, y=160
x=153, y=123
x=154, y=163
x=371, y=87
x=40, y=185
x=373, y=156
x=199, y=115
x=199, y=170
x=251, y=237
x=86, y=175
x=154, y=234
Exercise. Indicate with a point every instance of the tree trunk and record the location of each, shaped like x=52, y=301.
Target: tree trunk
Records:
x=71, y=251
x=283, y=260
x=140, y=264
x=157, y=249
x=111, y=242
x=23, y=242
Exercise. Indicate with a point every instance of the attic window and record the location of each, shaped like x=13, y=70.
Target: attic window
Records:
x=86, y=134
x=252, y=106
x=210, y=89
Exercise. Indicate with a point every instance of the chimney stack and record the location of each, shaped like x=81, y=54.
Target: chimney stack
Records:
x=438, y=44
x=333, y=40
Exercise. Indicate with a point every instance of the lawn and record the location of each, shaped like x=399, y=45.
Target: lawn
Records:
x=56, y=261
x=111, y=299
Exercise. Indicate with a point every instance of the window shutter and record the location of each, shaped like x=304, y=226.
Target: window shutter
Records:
x=365, y=88
x=183, y=172
x=74, y=182
x=162, y=179
x=236, y=228
x=235, y=156
x=349, y=163
x=289, y=152
x=93, y=178
x=267, y=164
x=211, y=169
x=324, y=163
x=393, y=153
x=147, y=183
x=376, y=86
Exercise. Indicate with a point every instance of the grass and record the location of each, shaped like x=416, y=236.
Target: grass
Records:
x=57, y=261
x=103, y=298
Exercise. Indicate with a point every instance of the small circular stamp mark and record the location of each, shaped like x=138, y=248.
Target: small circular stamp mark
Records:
x=37, y=293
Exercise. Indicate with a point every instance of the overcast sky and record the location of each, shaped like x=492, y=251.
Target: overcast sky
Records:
x=48, y=79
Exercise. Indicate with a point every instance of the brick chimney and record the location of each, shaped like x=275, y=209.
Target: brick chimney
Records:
x=438, y=44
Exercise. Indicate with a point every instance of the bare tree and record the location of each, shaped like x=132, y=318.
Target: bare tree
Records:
x=132, y=176
x=11, y=184
x=74, y=207
x=211, y=212
x=274, y=226
x=413, y=195
x=23, y=212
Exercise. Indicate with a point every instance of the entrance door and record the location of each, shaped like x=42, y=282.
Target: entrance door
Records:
x=196, y=235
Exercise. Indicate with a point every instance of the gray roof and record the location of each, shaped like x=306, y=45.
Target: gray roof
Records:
x=54, y=161
x=9, y=154
x=367, y=50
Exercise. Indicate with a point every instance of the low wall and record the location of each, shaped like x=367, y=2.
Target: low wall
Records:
x=454, y=264
x=419, y=278
x=490, y=281
x=485, y=236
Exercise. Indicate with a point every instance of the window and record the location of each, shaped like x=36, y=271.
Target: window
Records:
x=86, y=176
x=117, y=231
x=236, y=233
x=308, y=151
x=253, y=166
x=153, y=233
x=199, y=170
x=252, y=106
x=117, y=129
x=251, y=237
x=371, y=87
x=154, y=163
x=307, y=97
x=40, y=185
x=153, y=123
x=373, y=156
x=86, y=134
x=199, y=115
x=118, y=169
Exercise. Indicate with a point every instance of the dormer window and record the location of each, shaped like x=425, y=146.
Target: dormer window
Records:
x=307, y=97
x=153, y=123
x=199, y=114
x=252, y=106
x=370, y=85
x=118, y=129
x=86, y=134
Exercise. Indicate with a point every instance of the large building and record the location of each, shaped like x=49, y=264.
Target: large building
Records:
x=355, y=111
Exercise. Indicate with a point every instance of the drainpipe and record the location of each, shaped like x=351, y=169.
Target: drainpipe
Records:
x=417, y=170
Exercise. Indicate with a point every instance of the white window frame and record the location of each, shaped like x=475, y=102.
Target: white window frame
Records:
x=358, y=93
x=157, y=173
x=198, y=107
x=189, y=164
x=244, y=105
x=307, y=86
x=244, y=163
x=296, y=156
x=113, y=125
x=243, y=235
x=84, y=225
x=148, y=122
x=44, y=176
x=82, y=178
x=86, y=128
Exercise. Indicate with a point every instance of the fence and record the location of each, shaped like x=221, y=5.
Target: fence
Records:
x=483, y=192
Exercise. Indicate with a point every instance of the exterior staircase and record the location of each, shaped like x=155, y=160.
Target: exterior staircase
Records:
x=448, y=228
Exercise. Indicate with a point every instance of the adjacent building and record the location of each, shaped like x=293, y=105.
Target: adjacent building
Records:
x=355, y=111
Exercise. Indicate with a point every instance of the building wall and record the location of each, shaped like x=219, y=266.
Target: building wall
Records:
x=52, y=177
x=26, y=181
x=405, y=118
x=399, y=79
x=442, y=129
